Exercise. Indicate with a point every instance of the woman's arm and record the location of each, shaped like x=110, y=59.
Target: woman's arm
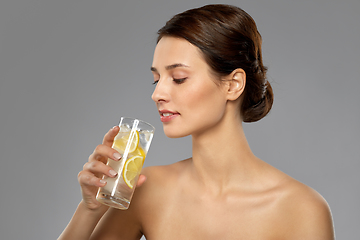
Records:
x=82, y=223
x=92, y=218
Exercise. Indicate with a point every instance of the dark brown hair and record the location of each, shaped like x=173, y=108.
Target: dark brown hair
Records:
x=228, y=39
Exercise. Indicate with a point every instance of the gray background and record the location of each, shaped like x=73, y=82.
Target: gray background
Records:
x=69, y=69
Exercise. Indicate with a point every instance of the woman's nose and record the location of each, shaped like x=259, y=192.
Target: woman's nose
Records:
x=161, y=92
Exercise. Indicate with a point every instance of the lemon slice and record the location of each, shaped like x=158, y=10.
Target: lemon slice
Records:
x=132, y=169
x=120, y=143
x=139, y=152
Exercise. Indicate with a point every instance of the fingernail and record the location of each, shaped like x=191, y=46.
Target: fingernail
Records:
x=117, y=156
x=113, y=127
x=112, y=173
x=102, y=181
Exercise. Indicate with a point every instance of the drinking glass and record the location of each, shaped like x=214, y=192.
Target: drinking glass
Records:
x=133, y=143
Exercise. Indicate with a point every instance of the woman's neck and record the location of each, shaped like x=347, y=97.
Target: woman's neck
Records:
x=222, y=157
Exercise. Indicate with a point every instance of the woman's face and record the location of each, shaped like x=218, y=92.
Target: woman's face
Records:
x=186, y=95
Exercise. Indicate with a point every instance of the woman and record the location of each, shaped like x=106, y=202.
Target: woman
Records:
x=209, y=78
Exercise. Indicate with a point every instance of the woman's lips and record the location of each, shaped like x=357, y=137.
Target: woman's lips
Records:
x=166, y=116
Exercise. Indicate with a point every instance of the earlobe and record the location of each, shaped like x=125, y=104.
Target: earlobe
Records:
x=236, y=86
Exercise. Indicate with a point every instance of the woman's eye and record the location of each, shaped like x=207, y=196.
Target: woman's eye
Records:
x=155, y=82
x=179, y=80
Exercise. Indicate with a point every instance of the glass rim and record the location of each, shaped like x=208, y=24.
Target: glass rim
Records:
x=140, y=121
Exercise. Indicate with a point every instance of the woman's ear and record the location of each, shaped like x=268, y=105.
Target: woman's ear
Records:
x=235, y=84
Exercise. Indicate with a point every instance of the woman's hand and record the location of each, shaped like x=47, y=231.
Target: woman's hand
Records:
x=90, y=178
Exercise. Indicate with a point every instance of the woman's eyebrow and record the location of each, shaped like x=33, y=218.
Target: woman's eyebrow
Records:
x=153, y=69
x=176, y=65
x=172, y=66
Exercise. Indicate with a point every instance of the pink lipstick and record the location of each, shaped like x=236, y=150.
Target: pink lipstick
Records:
x=166, y=115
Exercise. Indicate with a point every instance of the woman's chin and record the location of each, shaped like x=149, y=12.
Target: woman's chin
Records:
x=173, y=133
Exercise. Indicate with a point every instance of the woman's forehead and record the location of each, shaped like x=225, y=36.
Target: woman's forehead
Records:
x=171, y=50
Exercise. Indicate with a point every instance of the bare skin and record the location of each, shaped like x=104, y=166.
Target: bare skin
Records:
x=223, y=192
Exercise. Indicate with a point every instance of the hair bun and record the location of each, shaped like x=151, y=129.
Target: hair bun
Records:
x=258, y=110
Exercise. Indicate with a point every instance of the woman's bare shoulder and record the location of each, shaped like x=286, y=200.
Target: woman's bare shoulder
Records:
x=159, y=187
x=161, y=180
x=165, y=172
x=305, y=212
x=295, y=192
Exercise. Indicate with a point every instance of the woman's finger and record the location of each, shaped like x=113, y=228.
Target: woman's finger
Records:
x=141, y=180
x=99, y=168
x=110, y=135
x=88, y=179
x=102, y=152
